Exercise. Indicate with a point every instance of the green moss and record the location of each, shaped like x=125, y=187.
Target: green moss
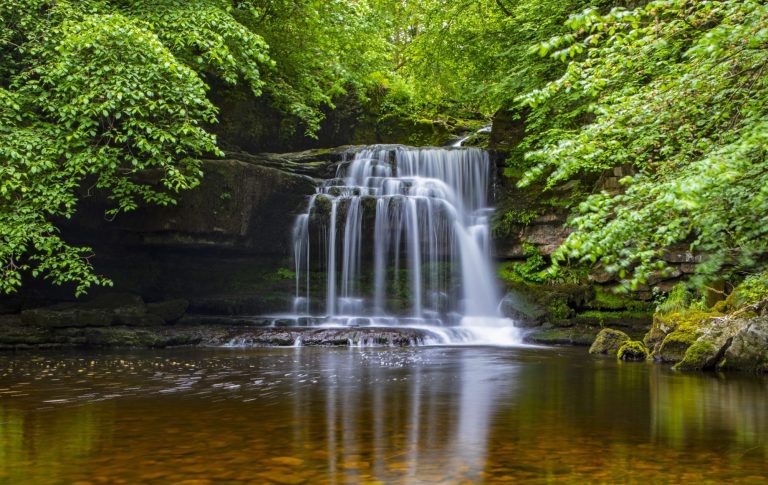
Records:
x=607, y=299
x=697, y=357
x=558, y=309
x=559, y=336
x=608, y=342
x=676, y=344
x=752, y=290
x=678, y=300
x=625, y=318
x=632, y=350
x=685, y=322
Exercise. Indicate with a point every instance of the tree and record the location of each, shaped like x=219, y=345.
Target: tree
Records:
x=680, y=97
x=95, y=94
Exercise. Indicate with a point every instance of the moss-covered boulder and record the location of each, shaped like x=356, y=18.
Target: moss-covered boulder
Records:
x=632, y=350
x=675, y=345
x=608, y=342
x=673, y=333
x=737, y=341
x=707, y=351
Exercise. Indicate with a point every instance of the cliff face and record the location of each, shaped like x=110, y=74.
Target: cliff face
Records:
x=225, y=246
x=531, y=223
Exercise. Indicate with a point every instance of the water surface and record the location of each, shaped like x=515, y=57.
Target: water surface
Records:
x=419, y=415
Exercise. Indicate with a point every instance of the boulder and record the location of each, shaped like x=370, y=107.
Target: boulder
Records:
x=169, y=310
x=608, y=342
x=675, y=345
x=749, y=348
x=706, y=353
x=632, y=350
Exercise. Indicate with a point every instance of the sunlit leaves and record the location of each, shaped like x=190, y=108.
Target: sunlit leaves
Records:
x=682, y=100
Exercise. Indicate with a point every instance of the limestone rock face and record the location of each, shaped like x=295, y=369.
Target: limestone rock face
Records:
x=72, y=317
x=228, y=238
x=169, y=310
x=608, y=342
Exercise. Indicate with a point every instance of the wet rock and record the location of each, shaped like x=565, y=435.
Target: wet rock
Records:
x=608, y=342
x=632, y=350
x=576, y=335
x=67, y=318
x=113, y=301
x=169, y=310
x=139, y=320
x=523, y=310
x=191, y=320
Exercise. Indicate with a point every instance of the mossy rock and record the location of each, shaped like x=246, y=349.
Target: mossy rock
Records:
x=699, y=356
x=675, y=345
x=563, y=336
x=684, y=321
x=633, y=350
x=623, y=318
x=605, y=299
x=608, y=342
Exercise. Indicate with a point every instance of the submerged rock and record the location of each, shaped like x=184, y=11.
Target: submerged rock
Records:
x=608, y=342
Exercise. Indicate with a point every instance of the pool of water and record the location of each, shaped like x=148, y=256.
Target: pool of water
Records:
x=418, y=415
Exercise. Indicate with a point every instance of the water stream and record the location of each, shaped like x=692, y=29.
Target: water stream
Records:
x=400, y=237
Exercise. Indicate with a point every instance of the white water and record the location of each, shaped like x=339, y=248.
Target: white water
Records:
x=401, y=236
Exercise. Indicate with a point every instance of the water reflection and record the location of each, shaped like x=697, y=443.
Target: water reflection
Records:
x=430, y=415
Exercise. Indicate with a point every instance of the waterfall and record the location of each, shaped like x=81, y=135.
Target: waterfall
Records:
x=400, y=236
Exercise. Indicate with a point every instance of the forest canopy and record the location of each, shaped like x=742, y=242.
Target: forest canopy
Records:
x=98, y=93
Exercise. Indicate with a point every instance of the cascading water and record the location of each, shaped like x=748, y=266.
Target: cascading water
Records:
x=401, y=237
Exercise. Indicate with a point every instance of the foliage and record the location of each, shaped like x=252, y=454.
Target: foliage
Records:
x=111, y=96
x=681, y=98
x=95, y=99
x=321, y=50
x=753, y=289
x=678, y=299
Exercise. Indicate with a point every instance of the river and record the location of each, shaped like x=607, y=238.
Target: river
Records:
x=373, y=415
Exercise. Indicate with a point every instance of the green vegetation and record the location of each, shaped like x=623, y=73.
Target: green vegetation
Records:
x=608, y=342
x=119, y=98
x=632, y=351
x=680, y=97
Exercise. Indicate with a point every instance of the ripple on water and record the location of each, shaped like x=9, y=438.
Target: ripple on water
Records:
x=394, y=415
